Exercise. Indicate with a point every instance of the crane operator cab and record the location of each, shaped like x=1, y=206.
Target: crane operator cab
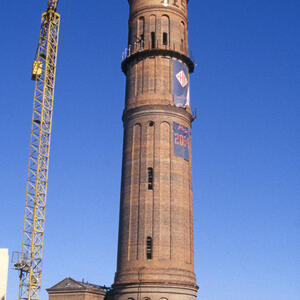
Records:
x=36, y=70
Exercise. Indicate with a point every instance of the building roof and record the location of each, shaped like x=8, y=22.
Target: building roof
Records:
x=71, y=285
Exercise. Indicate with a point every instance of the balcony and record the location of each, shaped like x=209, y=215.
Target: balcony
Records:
x=141, y=50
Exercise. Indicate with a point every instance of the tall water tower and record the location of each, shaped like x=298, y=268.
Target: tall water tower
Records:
x=155, y=250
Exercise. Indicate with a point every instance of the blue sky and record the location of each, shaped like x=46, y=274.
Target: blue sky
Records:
x=245, y=142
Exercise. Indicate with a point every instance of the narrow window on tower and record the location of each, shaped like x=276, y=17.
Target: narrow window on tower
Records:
x=181, y=45
x=150, y=178
x=149, y=247
x=141, y=30
x=182, y=34
x=152, y=39
x=152, y=31
x=165, y=39
x=165, y=29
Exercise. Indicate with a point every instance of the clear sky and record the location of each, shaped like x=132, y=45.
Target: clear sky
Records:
x=245, y=142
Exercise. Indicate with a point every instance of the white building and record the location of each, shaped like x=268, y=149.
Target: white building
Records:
x=3, y=272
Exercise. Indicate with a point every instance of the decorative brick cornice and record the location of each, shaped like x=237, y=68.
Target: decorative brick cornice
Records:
x=157, y=109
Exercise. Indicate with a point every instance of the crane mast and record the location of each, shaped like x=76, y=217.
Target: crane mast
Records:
x=29, y=262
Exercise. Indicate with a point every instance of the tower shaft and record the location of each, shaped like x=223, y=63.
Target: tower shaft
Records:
x=155, y=251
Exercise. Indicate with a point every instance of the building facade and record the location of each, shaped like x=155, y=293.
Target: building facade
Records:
x=155, y=248
x=3, y=272
x=70, y=289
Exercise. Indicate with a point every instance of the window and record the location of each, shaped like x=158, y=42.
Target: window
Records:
x=181, y=45
x=152, y=39
x=183, y=37
x=150, y=178
x=149, y=248
x=152, y=29
x=141, y=29
x=165, y=39
x=165, y=29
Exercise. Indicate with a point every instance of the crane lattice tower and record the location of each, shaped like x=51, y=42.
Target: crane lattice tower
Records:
x=29, y=261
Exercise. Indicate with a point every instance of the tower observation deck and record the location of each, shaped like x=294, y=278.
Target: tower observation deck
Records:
x=155, y=249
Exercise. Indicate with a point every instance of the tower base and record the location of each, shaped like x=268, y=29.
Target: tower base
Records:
x=154, y=291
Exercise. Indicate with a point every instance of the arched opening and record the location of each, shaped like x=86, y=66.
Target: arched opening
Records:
x=152, y=31
x=165, y=28
x=141, y=31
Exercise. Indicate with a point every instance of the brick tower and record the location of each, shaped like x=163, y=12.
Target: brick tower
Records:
x=155, y=250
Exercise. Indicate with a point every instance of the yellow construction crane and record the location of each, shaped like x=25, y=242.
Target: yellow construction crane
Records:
x=29, y=261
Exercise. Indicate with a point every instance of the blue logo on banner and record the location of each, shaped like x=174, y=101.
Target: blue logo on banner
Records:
x=181, y=141
x=181, y=86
